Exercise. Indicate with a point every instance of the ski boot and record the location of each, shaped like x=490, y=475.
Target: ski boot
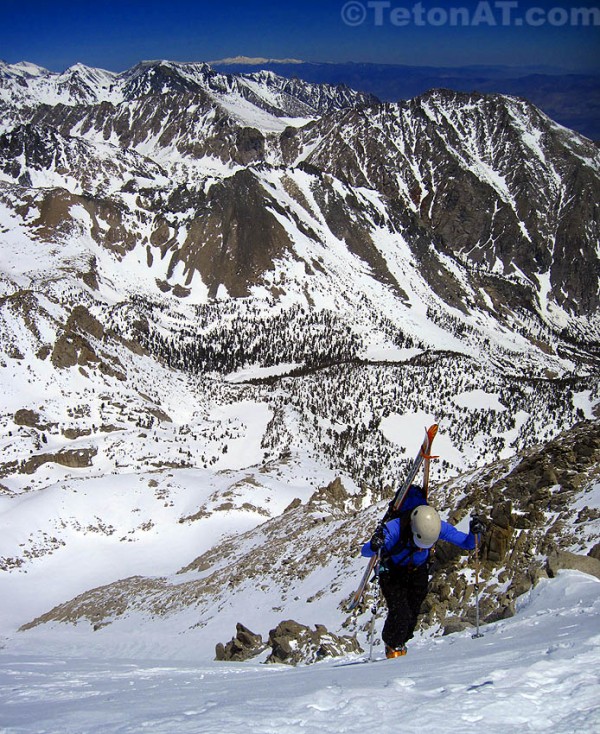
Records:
x=395, y=652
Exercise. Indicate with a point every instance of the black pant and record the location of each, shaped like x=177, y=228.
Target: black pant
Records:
x=404, y=591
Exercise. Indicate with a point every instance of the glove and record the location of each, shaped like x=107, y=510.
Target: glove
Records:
x=477, y=526
x=378, y=539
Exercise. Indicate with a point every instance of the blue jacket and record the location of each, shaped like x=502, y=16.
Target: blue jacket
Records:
x=409, y=553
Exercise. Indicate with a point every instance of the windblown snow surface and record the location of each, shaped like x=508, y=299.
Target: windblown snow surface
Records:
x=536, y=672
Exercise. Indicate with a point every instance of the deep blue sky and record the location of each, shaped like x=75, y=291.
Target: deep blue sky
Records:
x=116, y=34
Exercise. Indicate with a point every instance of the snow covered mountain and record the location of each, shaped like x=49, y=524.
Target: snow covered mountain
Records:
x=492, y=201
x=26, y=87
x=219, y=293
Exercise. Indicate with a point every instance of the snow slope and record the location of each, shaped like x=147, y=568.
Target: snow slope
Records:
x=536, y=672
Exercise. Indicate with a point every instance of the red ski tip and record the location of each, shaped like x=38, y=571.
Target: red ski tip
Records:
x=432, y=431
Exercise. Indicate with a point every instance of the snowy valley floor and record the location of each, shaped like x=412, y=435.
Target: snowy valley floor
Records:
x=536, y=672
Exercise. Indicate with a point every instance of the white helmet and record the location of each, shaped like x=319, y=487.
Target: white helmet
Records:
x=425, y=524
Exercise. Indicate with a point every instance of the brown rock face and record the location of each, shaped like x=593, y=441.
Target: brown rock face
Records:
x=234, y=237
x=497, y=539
x=73, y=347
x=72, y=458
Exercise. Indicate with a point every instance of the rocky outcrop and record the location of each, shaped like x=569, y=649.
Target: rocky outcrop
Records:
x=559, y=560
x=243, y=646
x=72, y=458
x=497, y=539
x=293, y=643
x=25, y=417
x=221, y=245
x=73, y=345
x=333, y=495
x=78, y=345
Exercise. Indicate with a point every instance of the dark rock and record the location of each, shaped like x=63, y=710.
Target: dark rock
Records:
x=221, y=245
x=72, y=349
x=293, y=643
x=73, y=346
x=73, y=433
x=559, y=560
x=548, y=478
x=294, y=504
x=81, y=319
x=243, y=646
x=72, y=458
x=27, y=418
x=496, y=544
x=521, y=584
x=454, y=624
x=496, y=540
x=502, y=515
x=504, y=611
x=595, y=552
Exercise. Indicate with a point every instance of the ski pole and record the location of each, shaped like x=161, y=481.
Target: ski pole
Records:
x=477, y=632
x=374, y=607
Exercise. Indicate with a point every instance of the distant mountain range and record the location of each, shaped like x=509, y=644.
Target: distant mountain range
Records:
x=573, y=99
x=487, y=194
